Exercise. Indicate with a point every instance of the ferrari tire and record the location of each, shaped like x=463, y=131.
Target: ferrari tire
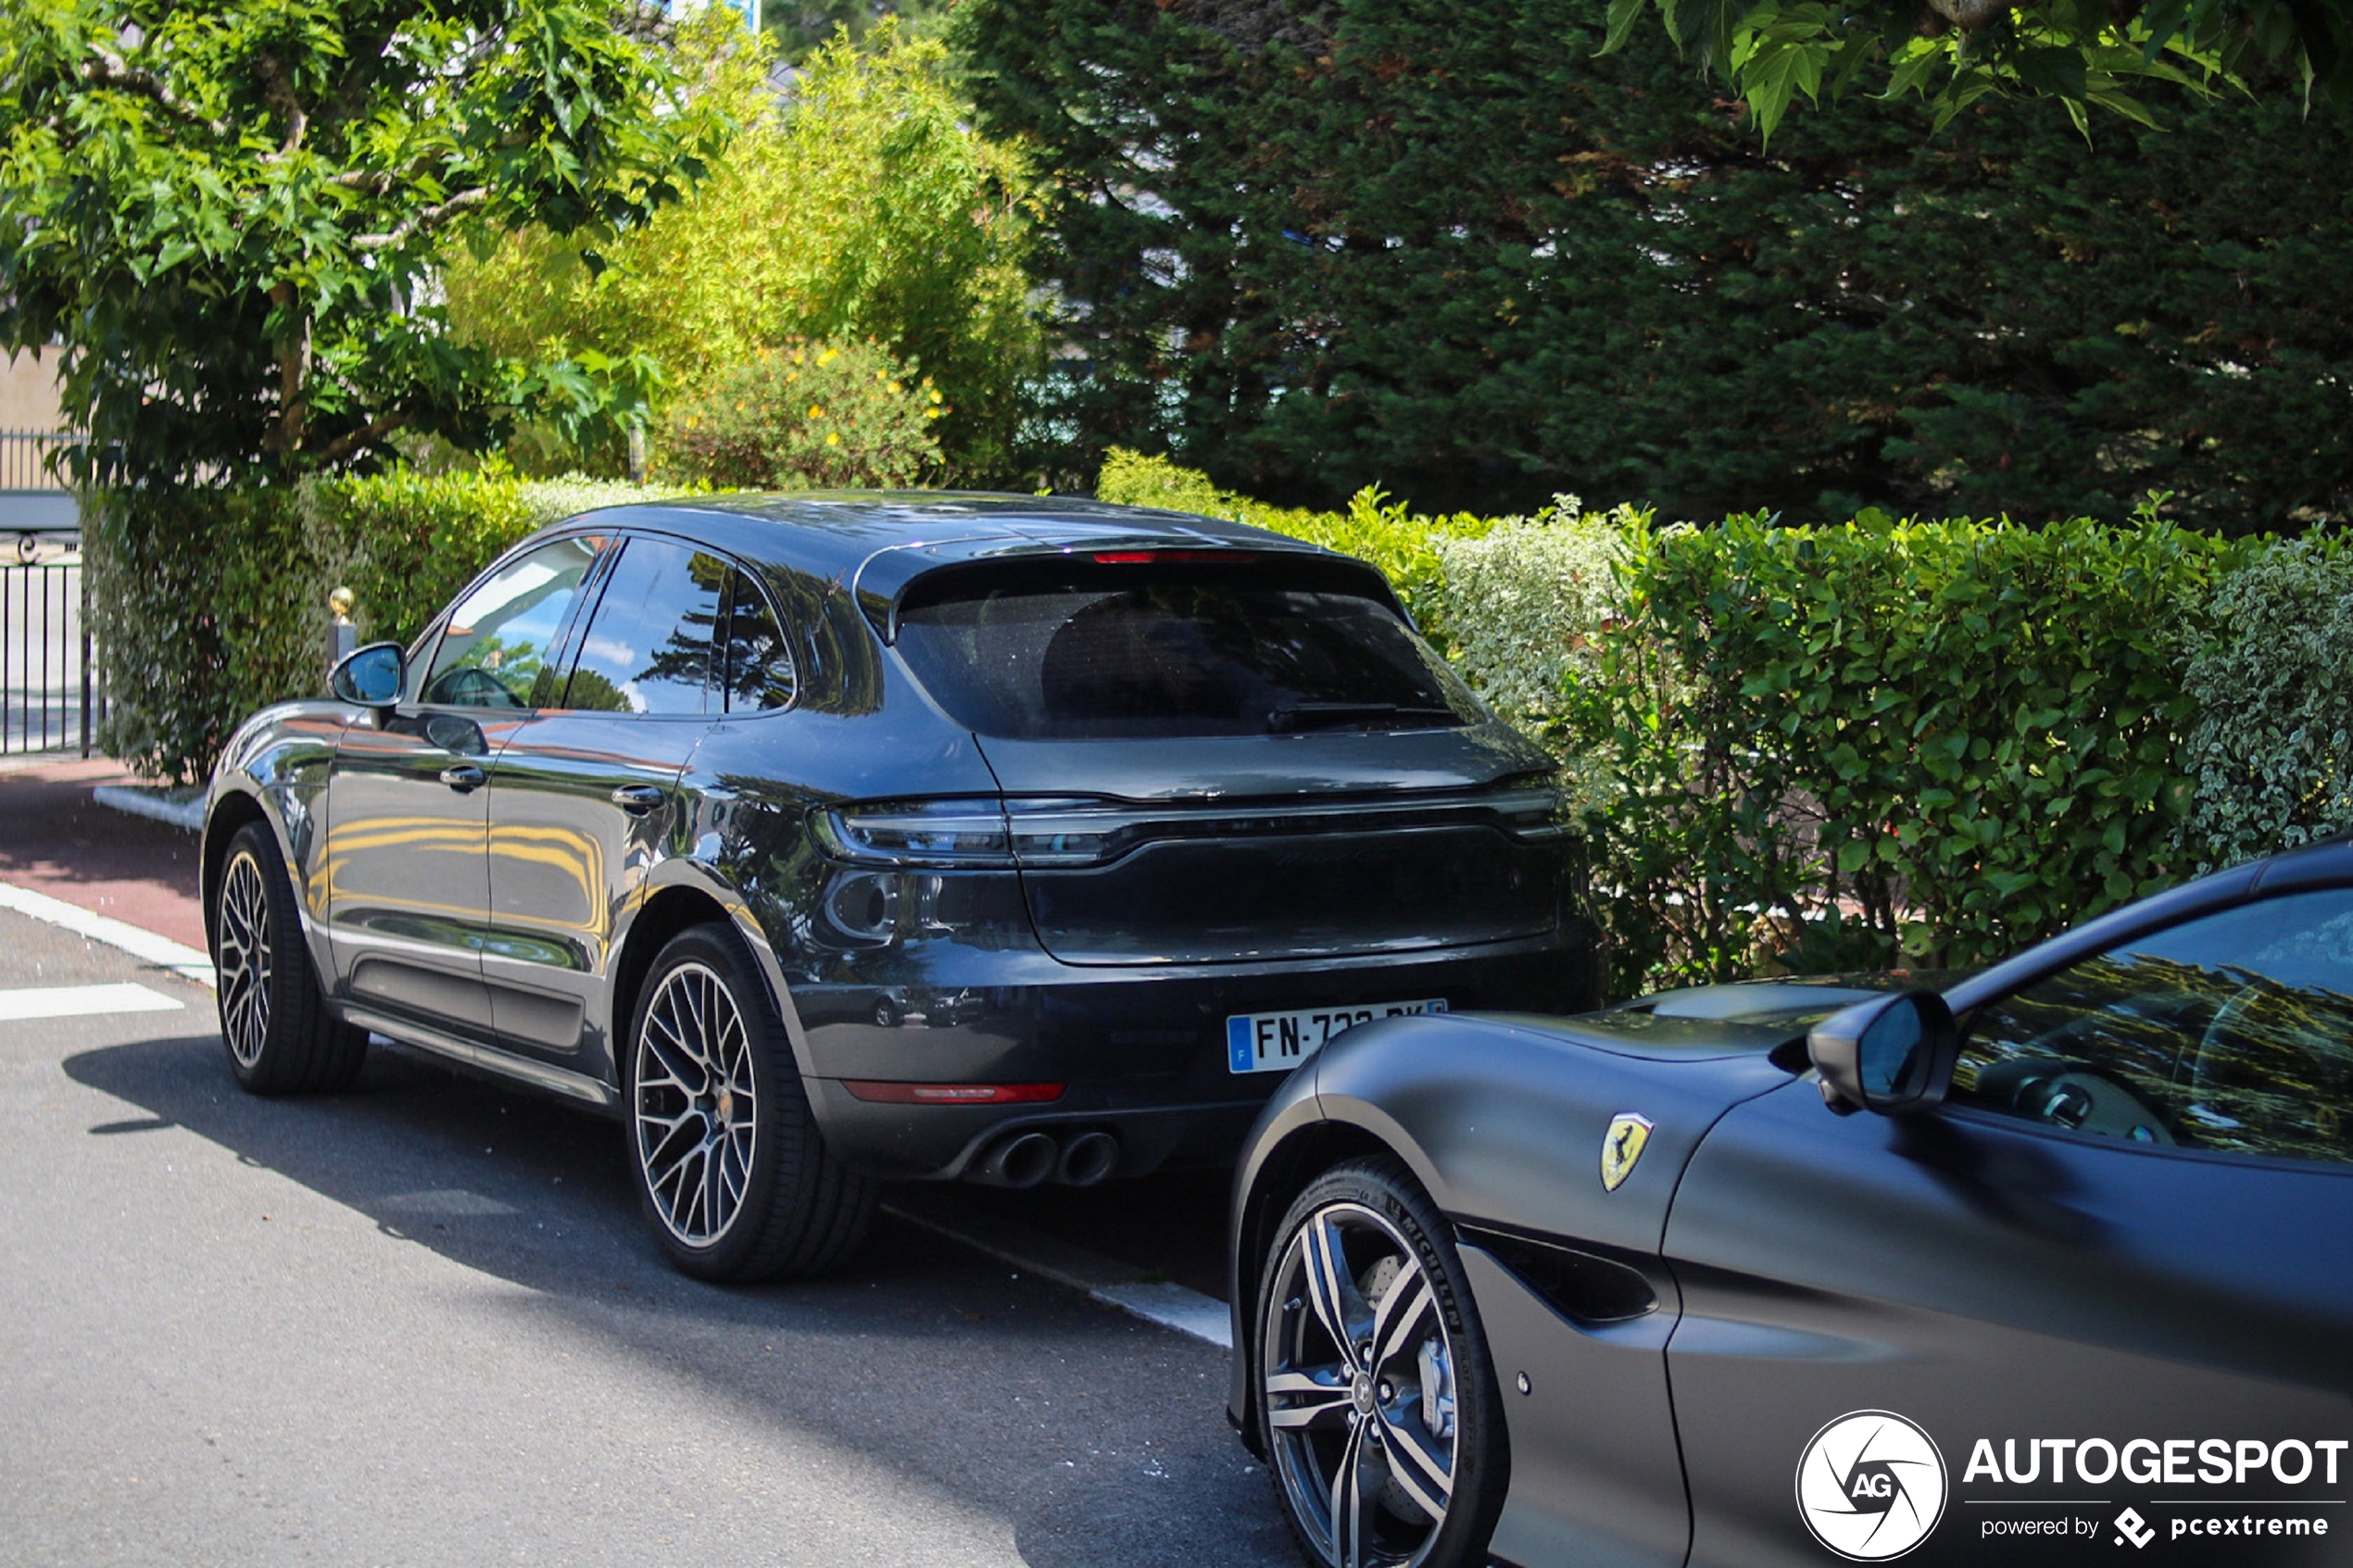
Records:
x=729, y=1164
x=281, y=1035
x=1378, y=1405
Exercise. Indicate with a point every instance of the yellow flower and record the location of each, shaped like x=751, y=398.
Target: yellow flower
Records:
x=832, y=438
x=815, y=412
x=828, y=357
x=894, y=389
x=935, y=396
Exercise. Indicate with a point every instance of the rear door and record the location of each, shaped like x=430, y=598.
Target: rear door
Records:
x=584, y=797
x=1216, y=758
x=2111, y=1284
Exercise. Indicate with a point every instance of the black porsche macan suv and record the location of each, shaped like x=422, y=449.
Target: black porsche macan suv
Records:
x=825, y=839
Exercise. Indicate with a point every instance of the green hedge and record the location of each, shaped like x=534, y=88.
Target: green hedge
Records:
x=205, y=604
x=2271, y=753
x=1919, y=741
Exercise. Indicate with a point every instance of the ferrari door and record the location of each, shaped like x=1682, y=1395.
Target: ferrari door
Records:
x=2101, y=1299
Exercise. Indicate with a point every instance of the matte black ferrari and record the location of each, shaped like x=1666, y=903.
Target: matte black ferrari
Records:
x=821, y=840
x=2053, y=1265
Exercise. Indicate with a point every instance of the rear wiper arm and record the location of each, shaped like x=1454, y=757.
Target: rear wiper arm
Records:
x=1327, y=715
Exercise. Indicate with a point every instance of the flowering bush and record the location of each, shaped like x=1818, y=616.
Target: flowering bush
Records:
x=822, y=414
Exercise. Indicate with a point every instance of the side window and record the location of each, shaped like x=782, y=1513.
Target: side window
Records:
x=496, y=652
x=758, y=671
x=2231, y=1031
x=648, y=644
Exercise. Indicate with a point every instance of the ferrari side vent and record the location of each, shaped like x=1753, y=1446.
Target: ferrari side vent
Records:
x=1580, y=1287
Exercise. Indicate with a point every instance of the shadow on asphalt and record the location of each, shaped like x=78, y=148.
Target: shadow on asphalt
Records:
x=1101, y=1438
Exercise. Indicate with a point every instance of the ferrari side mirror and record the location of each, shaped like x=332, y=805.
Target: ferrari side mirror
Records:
x=1892, y=1055
x=371, y=677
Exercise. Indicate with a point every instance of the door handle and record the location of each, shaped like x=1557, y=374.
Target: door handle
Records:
x=464, y=778
x=637, y=800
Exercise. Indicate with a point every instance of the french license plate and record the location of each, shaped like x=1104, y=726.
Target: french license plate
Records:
x=1277, y=1042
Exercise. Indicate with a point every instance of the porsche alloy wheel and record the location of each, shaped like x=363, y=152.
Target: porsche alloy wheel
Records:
x=242, y=960
x=281, y=1035
x=731, y=1167
x=1361, y=1353
x=697, y=1107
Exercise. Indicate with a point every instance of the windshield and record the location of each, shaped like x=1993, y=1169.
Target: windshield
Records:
x=1182, y=653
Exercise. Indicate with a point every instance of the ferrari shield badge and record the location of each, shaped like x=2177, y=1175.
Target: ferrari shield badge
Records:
x=1629, y=1135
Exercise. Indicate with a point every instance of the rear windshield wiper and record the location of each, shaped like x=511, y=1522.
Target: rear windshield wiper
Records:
x=1339, y=715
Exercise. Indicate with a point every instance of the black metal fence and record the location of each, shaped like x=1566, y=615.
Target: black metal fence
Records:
x=24, y=458
x=51, y=696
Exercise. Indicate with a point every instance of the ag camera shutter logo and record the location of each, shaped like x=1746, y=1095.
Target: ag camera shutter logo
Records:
x=1871, y=1485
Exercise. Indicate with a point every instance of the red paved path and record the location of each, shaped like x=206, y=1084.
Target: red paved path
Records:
x=56, y=839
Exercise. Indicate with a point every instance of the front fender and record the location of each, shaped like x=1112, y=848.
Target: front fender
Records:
x=275, y=768
x=1502, y=1121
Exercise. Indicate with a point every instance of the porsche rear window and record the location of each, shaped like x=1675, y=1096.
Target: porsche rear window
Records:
x=1177, y=653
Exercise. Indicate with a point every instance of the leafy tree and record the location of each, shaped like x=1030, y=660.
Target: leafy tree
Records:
x=801, y=27
x=1449, y=250
x=229, y=213
x=1958, y=52
x=863, y=206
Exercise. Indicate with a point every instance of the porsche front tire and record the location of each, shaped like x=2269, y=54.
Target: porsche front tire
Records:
x=281, y=1035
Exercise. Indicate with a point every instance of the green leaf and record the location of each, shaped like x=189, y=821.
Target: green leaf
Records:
x=1623, y=15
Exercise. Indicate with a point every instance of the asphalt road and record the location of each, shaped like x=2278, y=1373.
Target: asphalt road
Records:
x=421, y=1322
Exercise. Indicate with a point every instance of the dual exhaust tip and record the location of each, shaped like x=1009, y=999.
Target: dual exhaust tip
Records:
x=1028, y=1159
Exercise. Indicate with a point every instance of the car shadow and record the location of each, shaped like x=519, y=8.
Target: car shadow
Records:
x=1102, y=1437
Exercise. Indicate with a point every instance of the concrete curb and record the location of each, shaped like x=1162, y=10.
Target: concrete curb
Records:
x=186, y=814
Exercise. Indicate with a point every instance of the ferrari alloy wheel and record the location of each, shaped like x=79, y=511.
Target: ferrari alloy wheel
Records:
x=730, y=1167
x=274, y=1019
x=1376, y=1402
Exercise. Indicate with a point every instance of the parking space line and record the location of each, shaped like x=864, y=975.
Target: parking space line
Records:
x=1103, y=1279
x=174, y=956
x=82, y=1002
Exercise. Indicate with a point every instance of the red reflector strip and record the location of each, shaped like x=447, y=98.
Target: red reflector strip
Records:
x=884, y=1093
x=1145, y=558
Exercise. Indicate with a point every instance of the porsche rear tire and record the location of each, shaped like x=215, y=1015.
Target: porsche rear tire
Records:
x=731, y=1169
x=1378, y=1405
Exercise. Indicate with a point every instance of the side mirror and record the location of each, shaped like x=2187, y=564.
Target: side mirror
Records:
x=371, y=676
x=1892, y=1055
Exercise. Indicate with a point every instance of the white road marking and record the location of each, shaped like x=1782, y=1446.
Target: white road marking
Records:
x=1108, y=1280
x=139, y=944
x=82, y=1002
x=1172, y=1306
